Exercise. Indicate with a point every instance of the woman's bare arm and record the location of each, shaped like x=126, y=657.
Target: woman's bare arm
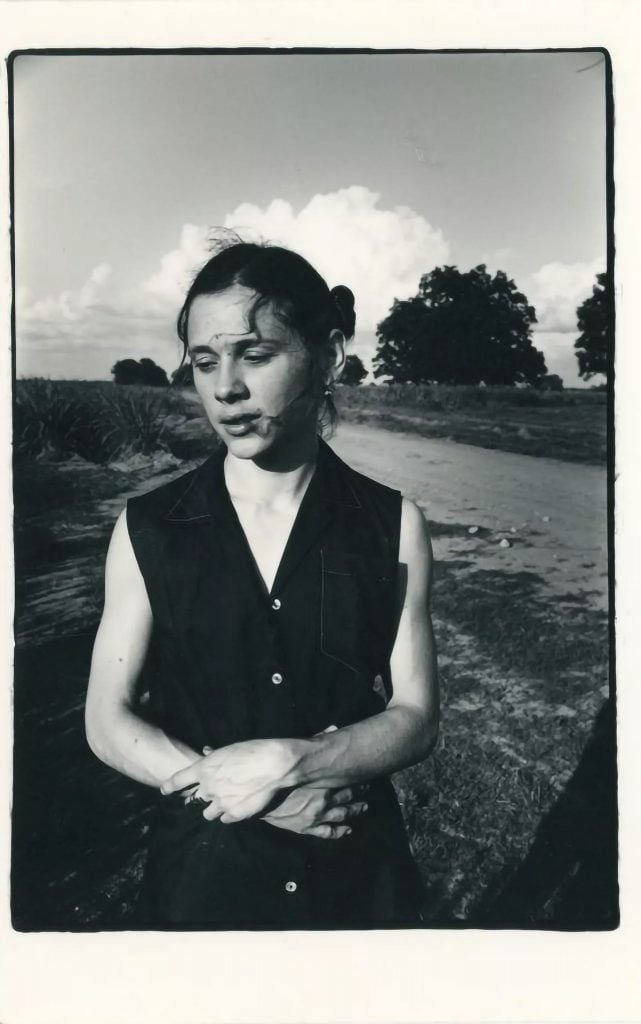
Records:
x=242, y=779
x=115, y=733
x=405, y=732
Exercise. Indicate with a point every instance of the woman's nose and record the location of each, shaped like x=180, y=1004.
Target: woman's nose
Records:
x=230, y=385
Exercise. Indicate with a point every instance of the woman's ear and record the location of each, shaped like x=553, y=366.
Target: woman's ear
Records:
x=336, y=355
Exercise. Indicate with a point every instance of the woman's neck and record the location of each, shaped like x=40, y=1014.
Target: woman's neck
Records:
x=278, y=478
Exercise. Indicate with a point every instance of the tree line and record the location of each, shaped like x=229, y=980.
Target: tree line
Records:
x=460, y=328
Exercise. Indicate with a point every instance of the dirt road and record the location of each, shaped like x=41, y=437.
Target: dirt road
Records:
x=552, y=514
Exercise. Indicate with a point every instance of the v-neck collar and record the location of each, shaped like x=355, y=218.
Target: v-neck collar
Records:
x=204, y=504
x=298, y=540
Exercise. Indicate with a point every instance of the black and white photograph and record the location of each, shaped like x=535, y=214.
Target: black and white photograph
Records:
x=313, y=441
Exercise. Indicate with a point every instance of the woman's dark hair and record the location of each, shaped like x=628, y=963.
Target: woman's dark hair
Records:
x=299, y=294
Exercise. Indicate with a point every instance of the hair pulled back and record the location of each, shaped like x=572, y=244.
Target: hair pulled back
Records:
x=298, y=292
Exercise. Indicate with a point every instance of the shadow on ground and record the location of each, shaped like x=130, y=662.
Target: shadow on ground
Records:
x=568, y=880
x=78, y=828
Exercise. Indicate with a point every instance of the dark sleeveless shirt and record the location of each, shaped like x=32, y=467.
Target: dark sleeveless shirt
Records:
x=229, y=661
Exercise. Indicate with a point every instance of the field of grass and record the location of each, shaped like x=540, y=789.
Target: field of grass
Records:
x=101, y=422
x=512, y=820
x=567, y=425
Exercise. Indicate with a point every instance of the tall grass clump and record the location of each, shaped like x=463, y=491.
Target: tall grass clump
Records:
x=91, y=419
x=450, y=397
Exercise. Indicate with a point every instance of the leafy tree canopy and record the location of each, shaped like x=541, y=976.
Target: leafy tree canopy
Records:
x=461, y=328
x=130, y=371
x=183, y=377
x=353, y=371
x=595, y=321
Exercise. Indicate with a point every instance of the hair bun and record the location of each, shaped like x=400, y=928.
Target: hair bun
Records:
x=344, y=301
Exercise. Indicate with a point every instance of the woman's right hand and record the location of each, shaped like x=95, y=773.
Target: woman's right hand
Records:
x=324, y=813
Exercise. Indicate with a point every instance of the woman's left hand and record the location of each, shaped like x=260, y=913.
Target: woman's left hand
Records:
x=238, y=781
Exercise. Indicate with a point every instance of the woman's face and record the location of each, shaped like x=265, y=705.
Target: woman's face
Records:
x=257, y=386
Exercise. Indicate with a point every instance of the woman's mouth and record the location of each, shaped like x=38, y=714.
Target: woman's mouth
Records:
x=237, y=426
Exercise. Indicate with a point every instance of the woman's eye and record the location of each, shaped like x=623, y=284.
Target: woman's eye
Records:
x=256, y=357
x=205, y=367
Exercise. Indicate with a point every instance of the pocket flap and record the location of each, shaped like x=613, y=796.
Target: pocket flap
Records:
x=349, y=563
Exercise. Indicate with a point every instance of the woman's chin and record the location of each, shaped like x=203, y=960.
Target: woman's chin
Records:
x=247, y=446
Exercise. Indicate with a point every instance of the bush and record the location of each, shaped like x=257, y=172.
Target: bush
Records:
x=94, y=420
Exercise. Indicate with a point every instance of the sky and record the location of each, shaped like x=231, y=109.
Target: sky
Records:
x=376, y=167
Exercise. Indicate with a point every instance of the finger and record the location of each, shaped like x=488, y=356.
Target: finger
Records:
x=329, y=831
x=344, y=813
x=185, y=777
x=188, y=793
x=335, y=814
x=340, y=797
x=212, y=811
x=229, y=819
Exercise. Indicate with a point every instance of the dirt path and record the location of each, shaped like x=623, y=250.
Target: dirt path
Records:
x=552, y=513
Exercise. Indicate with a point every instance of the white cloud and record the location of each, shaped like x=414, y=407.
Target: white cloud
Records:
x=64, y=334
x=557, y=289
x=69, y=305
x=379, y=253
x=177, y=268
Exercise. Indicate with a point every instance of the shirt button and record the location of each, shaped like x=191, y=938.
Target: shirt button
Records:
x=277, y=678
x=275, y=604
x=291, y=886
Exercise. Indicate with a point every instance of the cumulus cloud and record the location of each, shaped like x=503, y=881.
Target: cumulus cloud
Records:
x=348, y=235
x=177, y=268
x=69, y=305
x=379, y=253
x=65, y=334
x=557, y=289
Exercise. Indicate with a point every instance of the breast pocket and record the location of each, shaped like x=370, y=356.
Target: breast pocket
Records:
x=356, y=610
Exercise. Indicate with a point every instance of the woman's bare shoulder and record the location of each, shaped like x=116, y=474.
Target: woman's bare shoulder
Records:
x=415, y=537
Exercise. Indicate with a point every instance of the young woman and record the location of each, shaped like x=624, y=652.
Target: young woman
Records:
x=278, y=603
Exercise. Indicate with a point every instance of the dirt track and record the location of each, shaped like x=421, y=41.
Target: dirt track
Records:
x=552, y=513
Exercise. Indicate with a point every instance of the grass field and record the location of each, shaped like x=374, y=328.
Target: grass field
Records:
x=512, y=820
x=568, y=425
x=99, y=421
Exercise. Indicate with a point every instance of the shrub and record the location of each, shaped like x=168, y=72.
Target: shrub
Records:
x=94, y=420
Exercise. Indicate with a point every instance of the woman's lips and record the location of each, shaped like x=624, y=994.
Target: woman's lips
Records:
x=239, y=427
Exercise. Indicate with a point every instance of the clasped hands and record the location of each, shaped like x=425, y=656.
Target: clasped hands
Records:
x=247, y=780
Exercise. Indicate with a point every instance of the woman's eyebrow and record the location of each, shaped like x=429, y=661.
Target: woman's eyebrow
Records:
x=244, y=340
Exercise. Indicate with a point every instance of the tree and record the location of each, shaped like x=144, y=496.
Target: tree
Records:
x=461, y=328
x=129, y=371
x=183, y=377
x=551, y=382
x=595, y=321
x=353, y=371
